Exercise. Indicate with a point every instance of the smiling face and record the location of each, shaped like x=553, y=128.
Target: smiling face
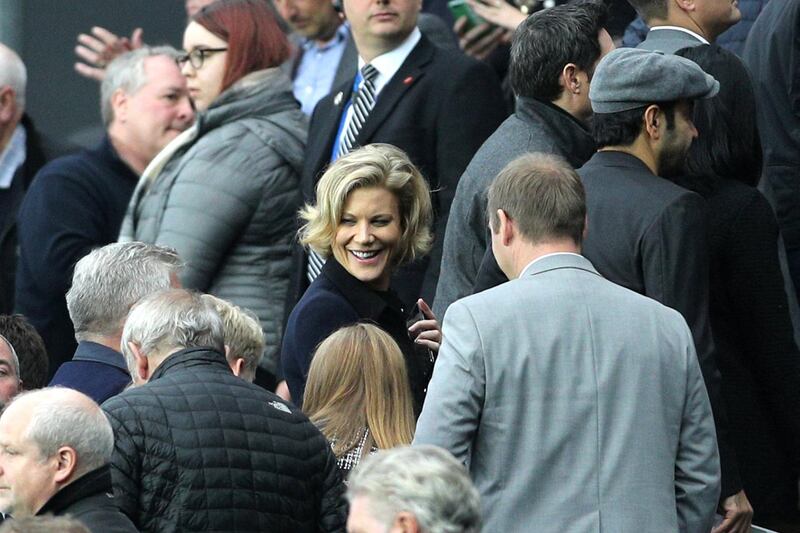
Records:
x=379, y=26
x=204, y=83
x=368, y=234
x=27, y=481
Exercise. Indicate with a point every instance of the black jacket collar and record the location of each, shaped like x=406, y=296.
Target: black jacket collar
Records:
x=568, y=132
x=190, y=357
x=613, y=158
x=367, y=302
x=95, y=482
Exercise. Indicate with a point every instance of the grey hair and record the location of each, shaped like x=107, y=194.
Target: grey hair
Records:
x=126, y=72
x=13, y=73
x=424, y=480
x=14, y=357
x=169, y=321
x=109, y=280
x=65, y=417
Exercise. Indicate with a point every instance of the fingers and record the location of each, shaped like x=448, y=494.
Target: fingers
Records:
x=137, y=38
x=423, y=325
x=92, y=73
x=460, y=25
x=426, y=309
x=106, y=37
x=431, y=345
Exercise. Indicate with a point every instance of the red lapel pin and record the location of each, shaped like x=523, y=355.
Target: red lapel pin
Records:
x=408, y=80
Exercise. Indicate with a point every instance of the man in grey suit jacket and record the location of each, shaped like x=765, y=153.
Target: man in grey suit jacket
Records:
x=681, y=23
x=579, y=405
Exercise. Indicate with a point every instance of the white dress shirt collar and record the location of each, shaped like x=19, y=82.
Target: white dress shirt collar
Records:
x=525, y=270
x=684, y=30
x=13, y=156
x=389, y=63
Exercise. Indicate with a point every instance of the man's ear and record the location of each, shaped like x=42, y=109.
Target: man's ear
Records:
x=506, y=229
x=653, y=117
x=119, y=104
x=685, y=5
x=569, y=79
x=141, y=363
x=66, y=463
x=8, y=105
x=406, y=522
x=237, y=365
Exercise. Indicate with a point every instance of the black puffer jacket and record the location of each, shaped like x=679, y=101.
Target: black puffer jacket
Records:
x=198, y=449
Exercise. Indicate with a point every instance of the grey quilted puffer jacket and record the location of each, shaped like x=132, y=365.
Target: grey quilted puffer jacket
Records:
x=227, y=200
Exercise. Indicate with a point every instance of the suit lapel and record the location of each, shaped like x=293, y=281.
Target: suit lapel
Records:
x=410, y=72
x=325, y=135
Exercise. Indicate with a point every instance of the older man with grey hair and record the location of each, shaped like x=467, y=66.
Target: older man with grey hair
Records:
x=10, y=382
x=105, y=285
x=22, y=153
x=422, y=489
x=145, y=104
x=56, y=445
x=197, y=448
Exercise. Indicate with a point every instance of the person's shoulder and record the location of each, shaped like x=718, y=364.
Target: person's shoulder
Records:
x=322, y=302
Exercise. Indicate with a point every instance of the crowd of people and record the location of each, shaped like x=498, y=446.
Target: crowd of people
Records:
x=339, y=267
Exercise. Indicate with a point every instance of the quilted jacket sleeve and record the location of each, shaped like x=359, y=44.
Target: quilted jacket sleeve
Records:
x=333, y=511
x=125, y=461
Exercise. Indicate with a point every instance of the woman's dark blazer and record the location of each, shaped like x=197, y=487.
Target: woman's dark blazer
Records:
x=337, y=299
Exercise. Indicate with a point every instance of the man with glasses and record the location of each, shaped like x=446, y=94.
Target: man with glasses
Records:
x=144, y=104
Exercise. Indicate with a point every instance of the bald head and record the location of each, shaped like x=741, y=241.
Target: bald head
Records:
x=13, y=74
x=55, y=417
x=49, y=438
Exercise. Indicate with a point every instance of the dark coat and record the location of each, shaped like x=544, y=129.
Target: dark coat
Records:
x=757, y=353
x=337, y=299
x=439, y=108
x=89, y=500
x=771, y=55
x=75, y=204
x=198, y=449
x=37, y=154
x=96, y=370
x=537, y=126
x=649, y=235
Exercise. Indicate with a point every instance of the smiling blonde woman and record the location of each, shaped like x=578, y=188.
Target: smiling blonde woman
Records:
x=373, y=214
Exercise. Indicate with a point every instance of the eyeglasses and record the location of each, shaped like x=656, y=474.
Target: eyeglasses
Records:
x=197, y=56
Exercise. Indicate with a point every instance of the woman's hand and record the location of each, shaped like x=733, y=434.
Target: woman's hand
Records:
x=498, y=12
x=427, y=331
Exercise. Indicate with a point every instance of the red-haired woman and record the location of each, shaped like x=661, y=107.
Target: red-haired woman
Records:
x=224, y=194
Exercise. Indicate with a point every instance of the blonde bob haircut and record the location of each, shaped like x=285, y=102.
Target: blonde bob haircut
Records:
x=374, y=165
x=358, y=380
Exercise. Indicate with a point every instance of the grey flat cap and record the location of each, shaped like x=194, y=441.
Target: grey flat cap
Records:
x=628, y=78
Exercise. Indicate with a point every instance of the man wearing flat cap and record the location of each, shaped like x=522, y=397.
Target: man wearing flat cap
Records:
x=648, y=234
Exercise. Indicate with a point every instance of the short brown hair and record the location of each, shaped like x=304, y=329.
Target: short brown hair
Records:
x=650, y=9
x=358, y=380
x=543, y=195
x=374, y=165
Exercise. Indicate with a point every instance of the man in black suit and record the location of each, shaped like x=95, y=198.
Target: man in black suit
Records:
x=437, y=105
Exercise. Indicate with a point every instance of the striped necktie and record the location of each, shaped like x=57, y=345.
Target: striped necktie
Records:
x=363, y=102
